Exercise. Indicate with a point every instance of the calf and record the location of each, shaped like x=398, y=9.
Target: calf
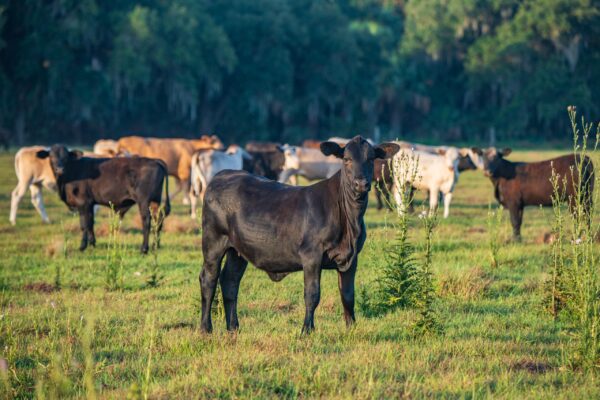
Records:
x=32, y=173
x=519, y=184
x=206, y=164
x=437, y=173
x=309, y=163
x=281, y=229
x=115, y=182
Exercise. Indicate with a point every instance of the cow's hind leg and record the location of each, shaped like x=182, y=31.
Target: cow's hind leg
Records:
x=213, y=250
x=38, y=201
x=16, y=197
x=312, y=296
x=146, y=217
x=157, y=216
x=346, y=285
x=231, y=276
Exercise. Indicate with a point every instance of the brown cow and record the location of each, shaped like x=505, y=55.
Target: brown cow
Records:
x=176, y=153
x=519, y=184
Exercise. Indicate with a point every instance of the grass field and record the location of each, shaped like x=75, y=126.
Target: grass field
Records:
x=498, y=339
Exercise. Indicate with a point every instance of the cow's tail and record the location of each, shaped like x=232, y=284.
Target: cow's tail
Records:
x=167, y=201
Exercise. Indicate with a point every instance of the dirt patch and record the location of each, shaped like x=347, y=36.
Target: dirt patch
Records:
x=55, y=247
x=40, y=287
x=532, y=366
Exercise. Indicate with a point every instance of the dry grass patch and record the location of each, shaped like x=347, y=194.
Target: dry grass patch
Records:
x=469, y=284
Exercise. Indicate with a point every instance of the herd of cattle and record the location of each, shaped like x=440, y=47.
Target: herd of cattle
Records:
x=251, y=214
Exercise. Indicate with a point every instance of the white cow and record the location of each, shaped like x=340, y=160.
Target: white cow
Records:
x=437, y=173
x=33, y=173
x=309, y=163
x=207, y=163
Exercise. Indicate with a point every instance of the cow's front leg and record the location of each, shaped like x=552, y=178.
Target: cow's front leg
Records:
x=346, y=285
x=312, y=295
x=516, y=219
x=86, y=223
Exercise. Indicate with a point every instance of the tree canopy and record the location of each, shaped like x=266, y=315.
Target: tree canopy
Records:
x=286, y=70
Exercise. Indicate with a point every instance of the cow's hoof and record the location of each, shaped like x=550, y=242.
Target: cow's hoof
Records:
x=13, y=223
x=144, y=250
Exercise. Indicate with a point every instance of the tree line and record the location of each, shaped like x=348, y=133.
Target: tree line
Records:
x=286, y=70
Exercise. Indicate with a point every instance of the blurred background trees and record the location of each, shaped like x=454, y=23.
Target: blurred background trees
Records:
x=286, y=70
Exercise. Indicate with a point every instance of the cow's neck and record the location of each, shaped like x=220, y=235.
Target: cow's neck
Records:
x=350, y=213
x=507, y=170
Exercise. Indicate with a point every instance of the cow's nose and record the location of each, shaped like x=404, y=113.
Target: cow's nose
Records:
x=361, y=185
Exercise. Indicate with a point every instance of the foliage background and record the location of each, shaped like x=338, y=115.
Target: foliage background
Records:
x=286, y=70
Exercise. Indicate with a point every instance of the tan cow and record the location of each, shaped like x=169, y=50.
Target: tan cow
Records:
x=33, y=173
x=106, y=147
x=176, y=153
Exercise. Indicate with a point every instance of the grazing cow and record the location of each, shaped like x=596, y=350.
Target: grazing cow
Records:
x=115, y=182
x=106, y=148
x=282, y=229
x=267, y=159
x=437, y=173
x=176, y=153
x=520, y=184
x=208, y=163
x=32, y=173
x=309, y=163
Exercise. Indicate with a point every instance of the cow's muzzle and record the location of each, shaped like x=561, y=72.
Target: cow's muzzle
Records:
x=361, y=185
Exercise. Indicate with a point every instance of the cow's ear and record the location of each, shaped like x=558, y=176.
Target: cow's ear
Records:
x=386, y=150
x=505, y=151
x=332, y=149
x=75, y=154
x=441, y=152
x=477, y=150
x=42, y=154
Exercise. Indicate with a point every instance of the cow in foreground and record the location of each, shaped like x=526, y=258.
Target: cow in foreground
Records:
x=119, y=183
x=206, y=164
x=282, y=229
x=520, y=184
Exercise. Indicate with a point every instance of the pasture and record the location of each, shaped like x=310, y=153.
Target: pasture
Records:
x=498, y=340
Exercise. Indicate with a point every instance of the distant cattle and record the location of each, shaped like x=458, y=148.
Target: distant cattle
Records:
x=436, y=173
x=312, y=144
x=267, y=159
x=176, y=153
x=106, y=148
x=208, y=163
x=282, y=229
x=119, y=183
x=32, y=173
x=467, y=161
x=520, y=184
x=309, y=163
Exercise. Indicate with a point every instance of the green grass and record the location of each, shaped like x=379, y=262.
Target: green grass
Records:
x=498, y=340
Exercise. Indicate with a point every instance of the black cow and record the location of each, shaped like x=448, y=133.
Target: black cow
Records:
x=267, y=159
x=519, y=184
x=282, y=229
x=116, y=182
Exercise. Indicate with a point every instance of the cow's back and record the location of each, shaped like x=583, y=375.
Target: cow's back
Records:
x=534, y=180
x=315, y=165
